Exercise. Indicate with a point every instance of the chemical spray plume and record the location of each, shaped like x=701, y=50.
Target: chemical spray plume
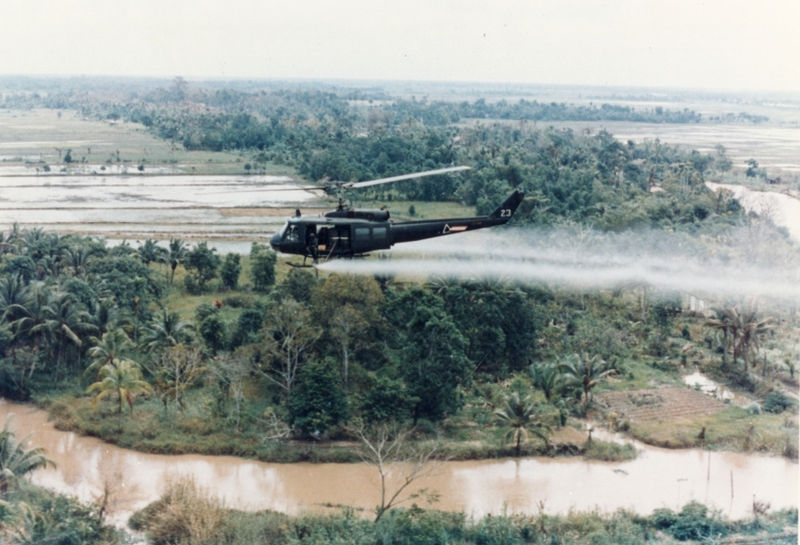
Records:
x=738, y=265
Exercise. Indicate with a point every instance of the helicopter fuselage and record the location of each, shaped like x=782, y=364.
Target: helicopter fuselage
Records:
x=352, y=232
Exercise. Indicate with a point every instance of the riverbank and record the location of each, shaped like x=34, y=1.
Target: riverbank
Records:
x=148, y=430
x=186, y=514
x=89, y=468
x=669, y=417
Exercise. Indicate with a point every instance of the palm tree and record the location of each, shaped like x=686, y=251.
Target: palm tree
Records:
x=727, y=321
x=12, y=292
x=176, y=255
x=165, y=330
x=520, y=416
x=26, y=318
x=123, y=380
x=547, y=378
x=108, y=350
x=17, y=461
x=752, y=331
x=742, y=331
x=77, y=256
x=586, y=371
x=64, y=323
x=103, y=314
x=150, y=252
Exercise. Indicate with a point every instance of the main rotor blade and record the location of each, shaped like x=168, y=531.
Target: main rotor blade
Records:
x=402, y=177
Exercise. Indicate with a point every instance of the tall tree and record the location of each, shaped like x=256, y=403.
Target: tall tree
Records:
x=437, y=365
x=176, y=254
x=202, y=262
x=317, y=402
x=65, y=323
x=262, y=267
x=348, y=308
x=289, y=334
x=230, y=270
x=178, y=368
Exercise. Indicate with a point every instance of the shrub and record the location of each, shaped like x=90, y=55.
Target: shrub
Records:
x=694, y=522
x=777, y=402
x=608, y=451
x=183, y=514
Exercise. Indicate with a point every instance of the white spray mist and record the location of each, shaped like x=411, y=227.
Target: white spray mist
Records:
x=742, y=263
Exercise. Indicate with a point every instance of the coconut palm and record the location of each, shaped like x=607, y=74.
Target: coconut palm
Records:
x=752, y=330
x=586, y=371
x=150, y=252
x=519, y=415
x=176, y=255
x=77, y=256
x=108, y=350
x=64, y=323
x=547, y=378
x=166, y=330
x=123, y=380
x=26, y=318
x=15, y=460
x=742, y=332
x=12, y=292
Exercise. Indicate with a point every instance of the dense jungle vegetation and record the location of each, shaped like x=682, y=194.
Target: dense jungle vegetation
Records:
x=175, y=348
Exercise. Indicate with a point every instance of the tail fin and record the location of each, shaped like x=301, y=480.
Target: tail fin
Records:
x=506, y=210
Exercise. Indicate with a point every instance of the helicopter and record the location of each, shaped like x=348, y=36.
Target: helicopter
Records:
x=353, y=232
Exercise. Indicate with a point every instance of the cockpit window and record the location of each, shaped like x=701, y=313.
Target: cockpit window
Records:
x=290, y=233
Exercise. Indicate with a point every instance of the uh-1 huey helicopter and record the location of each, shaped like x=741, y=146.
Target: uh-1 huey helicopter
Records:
x=349, y=232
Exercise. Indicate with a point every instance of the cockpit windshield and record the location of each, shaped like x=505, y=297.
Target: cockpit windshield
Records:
x=290, y=233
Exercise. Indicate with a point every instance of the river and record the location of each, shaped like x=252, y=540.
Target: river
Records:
x=657, y=478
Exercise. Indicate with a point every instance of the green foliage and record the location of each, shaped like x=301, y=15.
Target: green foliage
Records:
x=213, y=331
x=123, y=380
x=416, y=526
x=127, y=279
x=248, y=324
x=230, y=270
x=520, y=415
x=202, y=263
x=608, y=451
x=42, y=517
x=317, y=402
x=385, y=400
x=437, y=365
x=777, y=402
x=262, y=267
x=16, y=461
x=693, y=522
x=299, y=284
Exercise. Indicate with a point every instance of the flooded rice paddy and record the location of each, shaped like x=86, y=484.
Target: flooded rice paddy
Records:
x=657, y=478
x=222, y=209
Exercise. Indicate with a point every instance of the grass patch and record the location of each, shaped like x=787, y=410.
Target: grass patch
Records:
x=733, y=428
x=608, y=451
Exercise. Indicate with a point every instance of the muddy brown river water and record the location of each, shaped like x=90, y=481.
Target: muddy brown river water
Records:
x=657, y=478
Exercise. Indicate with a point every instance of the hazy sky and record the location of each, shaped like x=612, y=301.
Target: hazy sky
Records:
x=718, y=44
